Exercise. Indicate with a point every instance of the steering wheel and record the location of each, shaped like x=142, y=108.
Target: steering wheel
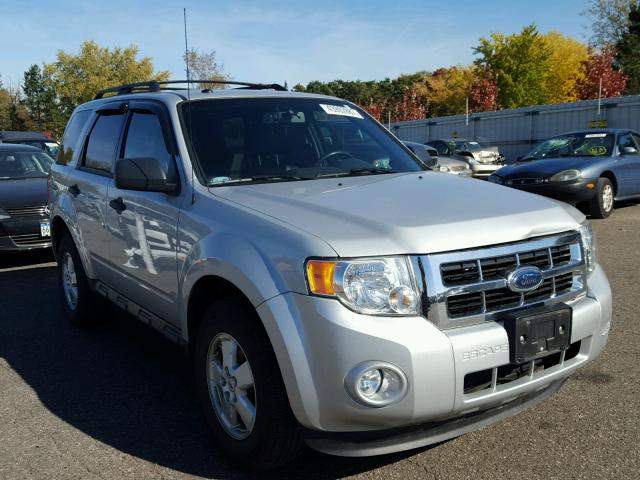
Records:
x=324, y=161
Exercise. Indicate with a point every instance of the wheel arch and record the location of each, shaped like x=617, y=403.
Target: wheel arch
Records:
x=608, y=174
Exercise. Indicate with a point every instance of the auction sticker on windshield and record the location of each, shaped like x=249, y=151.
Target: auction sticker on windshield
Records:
x=595, y=135
x=342, y=110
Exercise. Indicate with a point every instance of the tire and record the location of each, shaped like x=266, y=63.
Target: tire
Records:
x=601, y=205
x=72, y=278
x=272, y=438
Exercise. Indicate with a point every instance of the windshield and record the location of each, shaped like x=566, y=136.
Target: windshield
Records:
x=574, y=145
x=283, y=139
x=14, y=165
x=52, y=148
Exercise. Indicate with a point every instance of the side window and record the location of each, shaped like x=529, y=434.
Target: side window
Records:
x=637, y=139
x=442, y=148
x=625, y=140
x=71, y=137
x=146, y=140
x=102, y=143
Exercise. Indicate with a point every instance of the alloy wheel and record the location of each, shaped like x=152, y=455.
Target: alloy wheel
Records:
x=69, y=281
x=607, y=198
x=231, y=386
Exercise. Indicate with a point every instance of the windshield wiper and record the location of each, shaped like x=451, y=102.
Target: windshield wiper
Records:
x=259, y=178
x=356, y=171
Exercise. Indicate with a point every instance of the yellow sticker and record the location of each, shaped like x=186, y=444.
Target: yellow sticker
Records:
x=598, y=151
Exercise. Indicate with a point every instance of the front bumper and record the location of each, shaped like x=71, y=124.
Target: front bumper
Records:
x=317, y=341
x=484, y=170
x=23, y=234
x=572, y=192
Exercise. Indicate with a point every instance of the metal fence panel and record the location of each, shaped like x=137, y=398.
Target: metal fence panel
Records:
x=516, y=131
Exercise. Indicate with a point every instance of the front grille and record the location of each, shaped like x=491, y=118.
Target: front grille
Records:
x=28, y=240
x=524, y=181
x=39, y=211
x=471, y=286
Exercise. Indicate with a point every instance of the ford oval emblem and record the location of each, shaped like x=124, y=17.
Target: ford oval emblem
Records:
x=525, y=279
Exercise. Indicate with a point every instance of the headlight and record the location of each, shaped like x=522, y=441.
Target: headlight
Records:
x=566, y=176
x=589, y=245
x=443, y=168
x=4, y=215
x=472, y=160
x=377, y=286
x=496, y=179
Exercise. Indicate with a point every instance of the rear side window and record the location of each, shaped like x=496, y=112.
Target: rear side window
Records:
x=102, y=143
x=626, y=140
x=637, y=139
x=71, y=137
x=146, y=140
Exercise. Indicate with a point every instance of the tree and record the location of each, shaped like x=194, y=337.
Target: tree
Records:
x=483, y=93
x=609, y=20
x=13, y=114
x=203, y=66
x=628, y=51
x=566, y=67
x=411, y=106
x=447, y=89
x=76, y=78
x=600, y=66
x=520, y=65
x=40, y=100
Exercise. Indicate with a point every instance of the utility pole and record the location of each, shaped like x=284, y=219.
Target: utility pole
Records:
x=467, y=112
x=599, y=96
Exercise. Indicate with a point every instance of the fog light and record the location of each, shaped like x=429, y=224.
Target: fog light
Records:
x=376, y=384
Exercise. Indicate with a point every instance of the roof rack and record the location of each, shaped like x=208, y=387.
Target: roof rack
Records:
x=156, y=86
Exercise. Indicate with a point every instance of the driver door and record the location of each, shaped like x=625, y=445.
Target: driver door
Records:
x=629, y=166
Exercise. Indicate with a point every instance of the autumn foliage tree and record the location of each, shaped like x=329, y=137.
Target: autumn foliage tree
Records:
x=600, y=66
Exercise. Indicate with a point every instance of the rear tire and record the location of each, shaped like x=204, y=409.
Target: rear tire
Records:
x=601, y=205
x=242, y=393
x=75, y=292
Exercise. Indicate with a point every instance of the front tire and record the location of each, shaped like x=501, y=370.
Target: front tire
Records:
x=241, y=390
x=601, y=205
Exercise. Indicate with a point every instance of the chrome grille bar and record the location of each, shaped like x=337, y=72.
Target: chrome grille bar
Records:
x=437, y=293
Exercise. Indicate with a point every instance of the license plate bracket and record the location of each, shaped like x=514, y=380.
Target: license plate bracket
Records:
x=45, y=229
x=538, y=332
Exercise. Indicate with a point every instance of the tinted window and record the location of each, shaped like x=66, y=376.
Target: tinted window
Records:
x=637, y=139
x=245, y=140
x=102, y=143
x=71, y=137
x=15, y=165
x=146, y=140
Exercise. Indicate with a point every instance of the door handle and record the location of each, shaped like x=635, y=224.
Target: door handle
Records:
x=74, y=190
x=118, y=205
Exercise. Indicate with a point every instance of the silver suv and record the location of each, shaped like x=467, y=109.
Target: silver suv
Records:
x=329, y=290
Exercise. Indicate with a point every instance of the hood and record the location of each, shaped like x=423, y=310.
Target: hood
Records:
x=543, y=168
x=26, y=192
x=407, y=213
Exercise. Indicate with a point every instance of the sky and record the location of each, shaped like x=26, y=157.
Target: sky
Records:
x=278, y=40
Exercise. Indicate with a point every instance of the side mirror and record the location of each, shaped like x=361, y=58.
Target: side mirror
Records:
x=431, y=162
x=628, y=151
x=144, y=174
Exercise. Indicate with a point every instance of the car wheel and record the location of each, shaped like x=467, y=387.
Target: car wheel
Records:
x=75, y=293
x=241, y=390
x=601, y=205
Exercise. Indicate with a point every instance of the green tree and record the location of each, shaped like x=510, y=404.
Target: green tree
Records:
x=520, y=65
x=447, y=90
x=40, y=100
x=628, y=51
x=13, y=114
x=76, y=78
x=609, y=20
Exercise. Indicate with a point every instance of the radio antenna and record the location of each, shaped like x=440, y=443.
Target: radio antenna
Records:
x=186, y=60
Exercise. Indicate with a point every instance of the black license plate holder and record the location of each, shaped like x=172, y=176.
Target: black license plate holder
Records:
x=539, y=332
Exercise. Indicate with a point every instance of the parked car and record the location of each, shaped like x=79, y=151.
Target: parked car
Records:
x=24, y=214
x=328, y=289
x=590, y=167
x=34, y=139
x=483, y=160
x=429, y=156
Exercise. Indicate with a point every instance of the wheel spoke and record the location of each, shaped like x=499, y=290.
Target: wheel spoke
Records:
x=243, y=376
x=229, y=353
x=246, y=410
x=215, y=370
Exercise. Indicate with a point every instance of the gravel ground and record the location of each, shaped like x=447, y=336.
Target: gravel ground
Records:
x=116, y=402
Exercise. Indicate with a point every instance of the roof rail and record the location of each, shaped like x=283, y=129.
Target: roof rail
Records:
x=156, y=86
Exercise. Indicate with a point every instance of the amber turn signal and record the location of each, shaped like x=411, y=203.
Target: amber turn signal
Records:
x=590, y=185
x=320, y=276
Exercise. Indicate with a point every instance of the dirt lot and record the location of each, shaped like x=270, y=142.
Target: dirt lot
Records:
x=116, y=402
